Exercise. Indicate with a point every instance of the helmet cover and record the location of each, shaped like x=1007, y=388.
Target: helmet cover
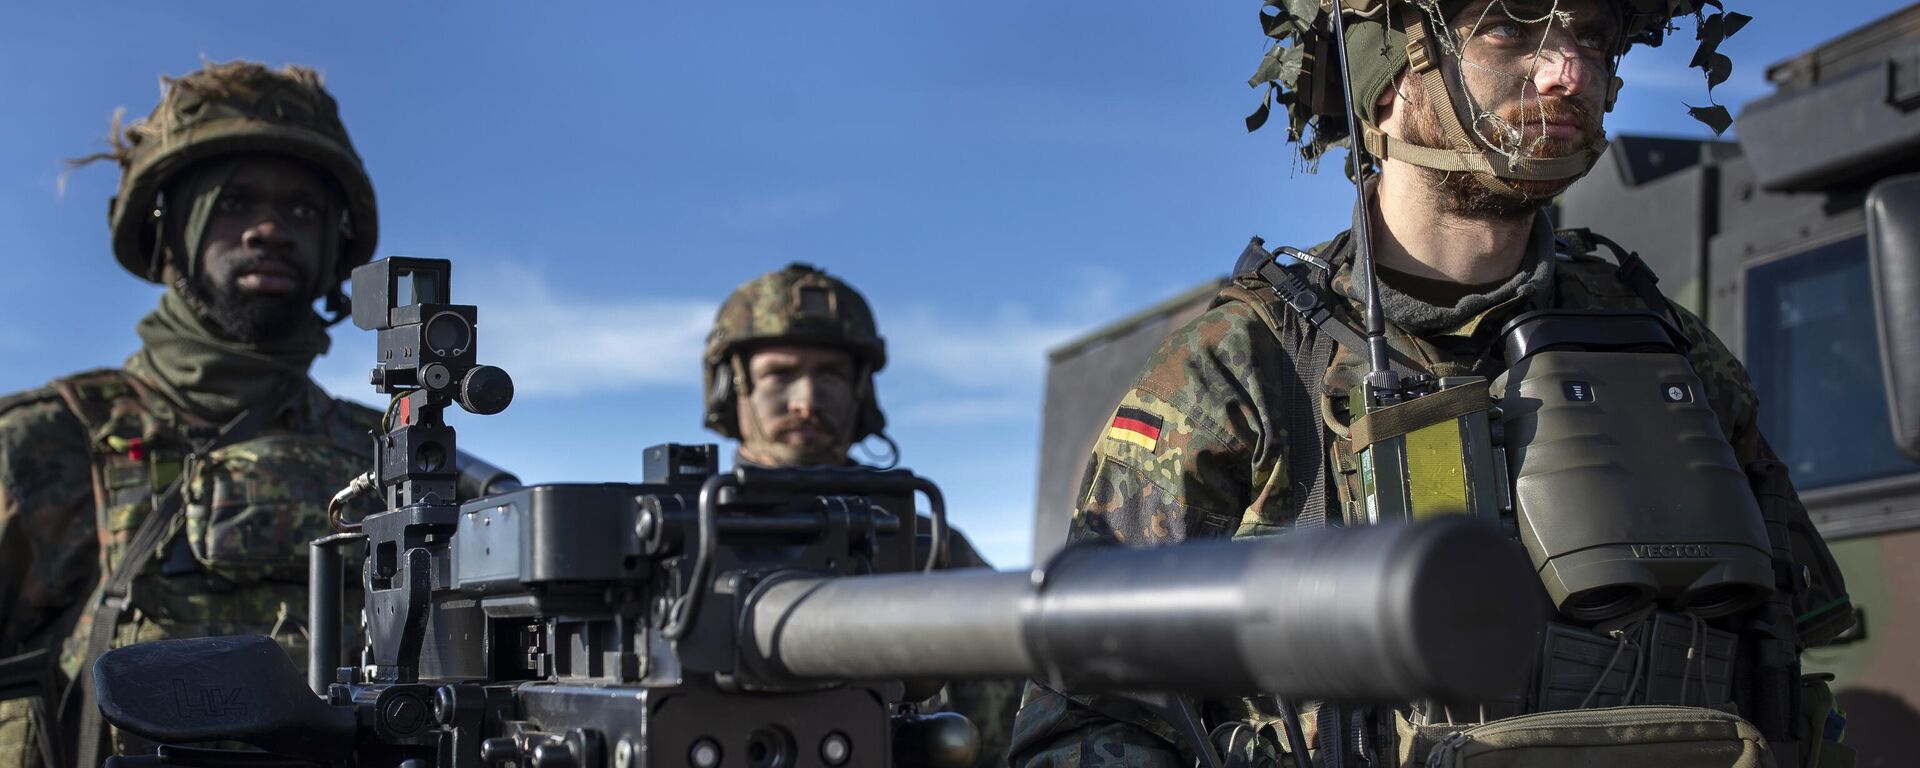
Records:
x=238, y=107
x=798, y=304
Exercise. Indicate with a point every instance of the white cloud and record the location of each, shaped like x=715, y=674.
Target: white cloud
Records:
x=554, y=344
x=989, y=353
x=1003, y=349
x=962, y=365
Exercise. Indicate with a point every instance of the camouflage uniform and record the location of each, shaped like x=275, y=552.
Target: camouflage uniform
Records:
x=87, y=460
x=803, y=305
x=1217, y=467
x=236, y=563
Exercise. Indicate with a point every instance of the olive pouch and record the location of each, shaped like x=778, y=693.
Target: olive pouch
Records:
x=252, y=507
x=1825, y=725
x=1663, y=736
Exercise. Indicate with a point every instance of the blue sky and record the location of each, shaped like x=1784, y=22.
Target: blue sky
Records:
x=996, y=176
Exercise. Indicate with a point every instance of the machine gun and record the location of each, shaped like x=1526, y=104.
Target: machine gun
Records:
x=767, y=618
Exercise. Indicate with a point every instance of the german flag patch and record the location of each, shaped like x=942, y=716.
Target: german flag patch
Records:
x=1132, y=425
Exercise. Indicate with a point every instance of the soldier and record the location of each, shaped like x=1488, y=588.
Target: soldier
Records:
x=175, y=496
x=789, y=373
x=1478, y=112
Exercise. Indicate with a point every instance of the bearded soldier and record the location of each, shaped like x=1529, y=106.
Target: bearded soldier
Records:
x=789, y=373
x=175, y=496
x=1269, y=413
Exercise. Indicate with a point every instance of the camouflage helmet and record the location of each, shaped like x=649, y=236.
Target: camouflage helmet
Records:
x=799, y=304
x=1295, y=74
x=225, y=109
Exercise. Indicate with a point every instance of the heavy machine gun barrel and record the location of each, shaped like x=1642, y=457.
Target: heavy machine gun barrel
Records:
x=1373, y=614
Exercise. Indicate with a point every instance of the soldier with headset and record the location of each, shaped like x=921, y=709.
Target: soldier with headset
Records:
x=788, y=372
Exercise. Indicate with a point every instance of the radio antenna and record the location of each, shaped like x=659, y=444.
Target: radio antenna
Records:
x=1383, y=385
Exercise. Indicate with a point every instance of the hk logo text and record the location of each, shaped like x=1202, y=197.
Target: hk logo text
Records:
x=204, y=701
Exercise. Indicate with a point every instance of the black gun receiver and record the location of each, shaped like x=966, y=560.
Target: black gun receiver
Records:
x=767, y=618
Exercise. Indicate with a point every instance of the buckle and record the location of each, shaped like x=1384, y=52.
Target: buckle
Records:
x=119, y=603
x=1419, y=54
x=1299, y=295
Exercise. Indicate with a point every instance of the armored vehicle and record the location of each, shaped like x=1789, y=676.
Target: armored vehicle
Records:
x=1799, y=243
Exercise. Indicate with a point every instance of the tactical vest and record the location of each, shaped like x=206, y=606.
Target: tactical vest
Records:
x=233, y=557
x=1675, y=659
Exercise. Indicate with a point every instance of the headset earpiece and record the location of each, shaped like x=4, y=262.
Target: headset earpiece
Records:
x=723, y=415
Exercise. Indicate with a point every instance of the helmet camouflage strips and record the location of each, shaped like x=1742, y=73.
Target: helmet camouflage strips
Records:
x=225, y=109
x=799, y=304
x=1500, y=44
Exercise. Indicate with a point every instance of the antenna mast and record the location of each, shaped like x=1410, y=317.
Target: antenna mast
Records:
x=1383, y=386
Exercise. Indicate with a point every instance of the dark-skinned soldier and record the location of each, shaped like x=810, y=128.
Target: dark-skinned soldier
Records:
x=789, y=373
x=174, y=496
x=1247, y=421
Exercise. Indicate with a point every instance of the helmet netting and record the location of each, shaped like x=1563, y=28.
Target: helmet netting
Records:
x=1294, y=76
x=1496, y=84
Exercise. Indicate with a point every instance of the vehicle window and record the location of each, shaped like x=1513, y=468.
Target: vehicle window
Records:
x=1814, y=356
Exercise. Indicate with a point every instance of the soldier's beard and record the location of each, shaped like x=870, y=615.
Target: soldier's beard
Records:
x=1460, y=194
x=784, y=449
x=245, y=317
x=775, y=454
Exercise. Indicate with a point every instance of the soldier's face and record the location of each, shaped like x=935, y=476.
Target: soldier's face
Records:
x=1536, y=71
x=260, y=258
x=799, y=405
x=1534, y=75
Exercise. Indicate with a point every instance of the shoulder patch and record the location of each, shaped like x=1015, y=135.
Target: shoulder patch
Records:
x=1133, y=425
x=1143, y=424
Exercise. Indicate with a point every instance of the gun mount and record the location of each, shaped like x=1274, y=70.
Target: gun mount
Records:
x=771, y=618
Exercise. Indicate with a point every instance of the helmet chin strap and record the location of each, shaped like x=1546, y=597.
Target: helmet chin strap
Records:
x=1492, y=169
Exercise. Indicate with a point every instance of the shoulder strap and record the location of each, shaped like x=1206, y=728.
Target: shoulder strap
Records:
x=1292, y=289
x=91, y=395
x=1307, y=431
x=1637, y=276
x=1309, y=346
x=95, y=398
x=92, y=398
x=116, y=591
